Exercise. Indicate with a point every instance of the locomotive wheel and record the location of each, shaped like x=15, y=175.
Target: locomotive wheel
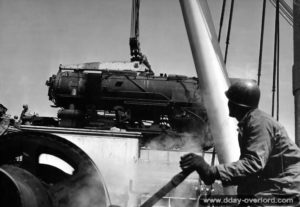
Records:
x=82, y=188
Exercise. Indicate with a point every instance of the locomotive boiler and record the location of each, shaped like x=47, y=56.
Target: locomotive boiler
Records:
x=125, y=94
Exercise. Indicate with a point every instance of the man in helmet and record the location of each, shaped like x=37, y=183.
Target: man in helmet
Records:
x=269, y=162
x=26, y=116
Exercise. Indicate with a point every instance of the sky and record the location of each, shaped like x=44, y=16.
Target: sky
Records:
x=38, y=35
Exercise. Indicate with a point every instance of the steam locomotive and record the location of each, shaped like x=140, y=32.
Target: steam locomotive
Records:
x=127, y=95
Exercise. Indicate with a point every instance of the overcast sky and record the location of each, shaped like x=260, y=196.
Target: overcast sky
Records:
x=38, y=35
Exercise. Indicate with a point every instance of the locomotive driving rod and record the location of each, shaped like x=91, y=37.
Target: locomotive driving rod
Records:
x=173, y=183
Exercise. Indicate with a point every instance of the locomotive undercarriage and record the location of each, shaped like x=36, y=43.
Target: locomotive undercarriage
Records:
x=152, y=121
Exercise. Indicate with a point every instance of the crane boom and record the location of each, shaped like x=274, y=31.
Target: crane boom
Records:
x=134, y=43
x=134, y=32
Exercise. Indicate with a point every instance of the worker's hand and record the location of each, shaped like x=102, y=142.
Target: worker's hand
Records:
x=191, y=162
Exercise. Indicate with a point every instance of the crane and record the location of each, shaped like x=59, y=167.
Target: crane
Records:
x=134, y=43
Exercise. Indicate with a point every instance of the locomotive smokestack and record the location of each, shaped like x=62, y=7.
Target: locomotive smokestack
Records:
x=212, y=77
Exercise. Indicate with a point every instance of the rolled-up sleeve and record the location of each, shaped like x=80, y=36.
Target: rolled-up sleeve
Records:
x=255, y=151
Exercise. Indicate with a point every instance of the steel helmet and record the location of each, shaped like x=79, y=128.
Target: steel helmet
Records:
x=244, y=93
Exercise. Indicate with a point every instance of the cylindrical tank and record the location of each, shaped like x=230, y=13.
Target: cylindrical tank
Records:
x=36, y=182
x=107, y=87
x=19, y=188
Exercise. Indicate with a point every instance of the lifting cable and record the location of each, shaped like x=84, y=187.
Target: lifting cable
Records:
x=261, y=42
x=276, y=64
x=221, y=20
x=285, y=10
x=229, y=30
x=278, y=49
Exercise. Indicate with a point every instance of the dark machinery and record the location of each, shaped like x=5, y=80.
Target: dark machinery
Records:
x=27, y=182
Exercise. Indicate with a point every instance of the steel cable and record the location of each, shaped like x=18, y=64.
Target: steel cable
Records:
x=261, y=42
x=229, y=30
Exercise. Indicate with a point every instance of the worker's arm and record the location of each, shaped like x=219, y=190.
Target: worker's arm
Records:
x=255, y=150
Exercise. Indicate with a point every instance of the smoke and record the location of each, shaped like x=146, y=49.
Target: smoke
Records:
x=117, y=177
x=88, y=194
x=188, y=142
x=159, y=162
x=91, y=190
x=84, y=189
x=121, y=160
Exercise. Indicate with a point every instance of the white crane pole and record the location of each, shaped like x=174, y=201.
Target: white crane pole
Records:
x=212, y=77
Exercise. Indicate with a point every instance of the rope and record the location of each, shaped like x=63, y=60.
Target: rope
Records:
x=285, y=10
x=278, y=46
x=276, y=62
x=221, y=20
x=261, y=42
x=229, y=30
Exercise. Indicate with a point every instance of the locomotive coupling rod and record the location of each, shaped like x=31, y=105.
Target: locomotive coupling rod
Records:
x=173, y=183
